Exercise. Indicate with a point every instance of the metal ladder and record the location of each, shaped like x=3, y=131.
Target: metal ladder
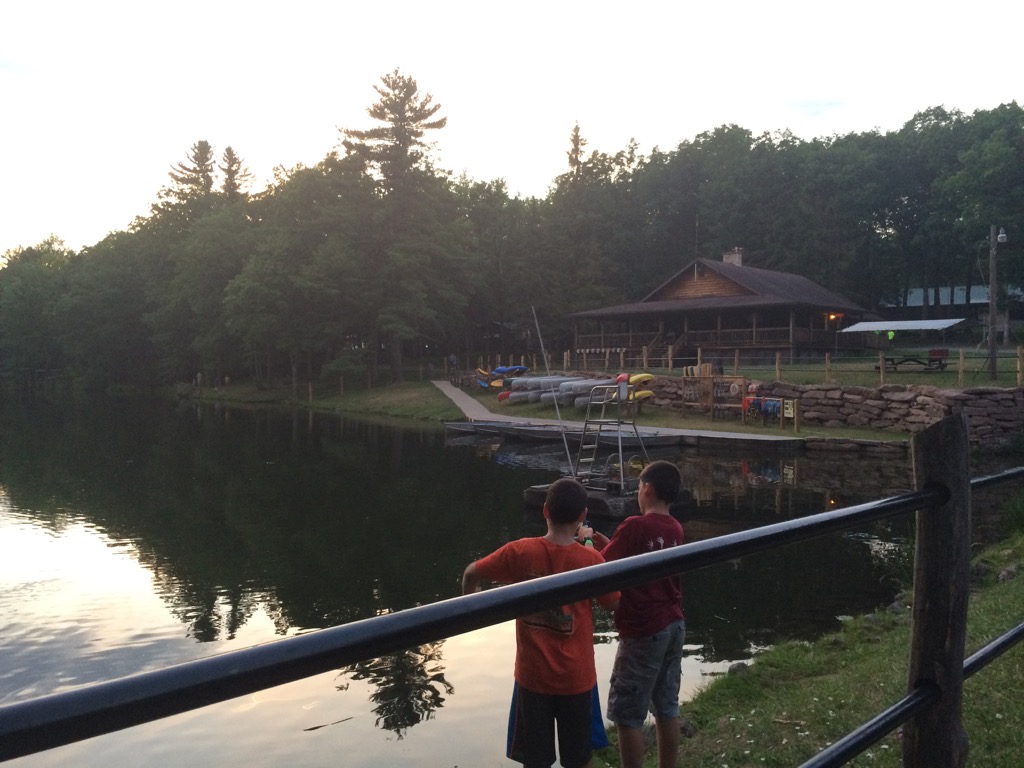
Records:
x=608, y=409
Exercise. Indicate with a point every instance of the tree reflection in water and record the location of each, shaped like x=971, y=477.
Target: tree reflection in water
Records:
x=408, y=686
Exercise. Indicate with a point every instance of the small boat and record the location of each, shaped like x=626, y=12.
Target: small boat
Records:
x=509, y=370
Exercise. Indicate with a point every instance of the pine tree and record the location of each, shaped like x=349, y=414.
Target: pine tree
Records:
x=236, y=176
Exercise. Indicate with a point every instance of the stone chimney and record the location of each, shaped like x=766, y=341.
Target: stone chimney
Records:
x=734, y=257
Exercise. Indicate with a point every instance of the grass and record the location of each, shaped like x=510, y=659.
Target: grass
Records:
x=862, y=373
x=799, y=697
x=652, y=416
x=417, y=400
x=422, y=401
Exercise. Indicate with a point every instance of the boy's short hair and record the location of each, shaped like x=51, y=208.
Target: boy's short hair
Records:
x=664, y=477
x=566, y=499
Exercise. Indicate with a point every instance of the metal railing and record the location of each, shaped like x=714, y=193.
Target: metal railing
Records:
x=58, y=719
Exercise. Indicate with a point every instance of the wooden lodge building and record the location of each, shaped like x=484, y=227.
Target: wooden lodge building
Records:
x=717, y=309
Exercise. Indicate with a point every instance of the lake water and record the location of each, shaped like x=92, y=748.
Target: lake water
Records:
x=139, y=535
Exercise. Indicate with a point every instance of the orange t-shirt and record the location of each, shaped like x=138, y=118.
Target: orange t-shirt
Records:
x=554, y=648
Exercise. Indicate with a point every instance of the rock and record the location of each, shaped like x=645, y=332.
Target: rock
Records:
x=1009, y=573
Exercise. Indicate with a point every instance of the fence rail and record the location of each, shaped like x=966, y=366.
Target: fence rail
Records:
x=55, y=720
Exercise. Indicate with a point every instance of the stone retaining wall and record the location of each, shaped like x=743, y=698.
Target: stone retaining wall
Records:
x=994, y=415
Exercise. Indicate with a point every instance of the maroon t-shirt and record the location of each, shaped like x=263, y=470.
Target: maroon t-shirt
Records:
x=648, y=608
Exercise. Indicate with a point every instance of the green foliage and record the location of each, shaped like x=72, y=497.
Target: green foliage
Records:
x=375, y=248
x=31, y=285
x=1014, y=515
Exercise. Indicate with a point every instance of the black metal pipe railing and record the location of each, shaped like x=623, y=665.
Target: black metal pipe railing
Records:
x=63, y=718
x=985, y=656
x=58, y=719
x=924, y=696
x=875, y=729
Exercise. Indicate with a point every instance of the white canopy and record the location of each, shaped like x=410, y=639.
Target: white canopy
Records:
x=904, y=325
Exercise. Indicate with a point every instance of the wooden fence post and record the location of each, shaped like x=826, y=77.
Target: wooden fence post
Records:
x=881, y=367
x=960, y=369
x=736, y=363
x=778, y=366
x=1020, y=366
x=942, y=556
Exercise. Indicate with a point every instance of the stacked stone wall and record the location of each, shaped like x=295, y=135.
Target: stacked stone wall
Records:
x=994, y=415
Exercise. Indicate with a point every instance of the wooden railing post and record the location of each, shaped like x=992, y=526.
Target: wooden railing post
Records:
x=936, y=738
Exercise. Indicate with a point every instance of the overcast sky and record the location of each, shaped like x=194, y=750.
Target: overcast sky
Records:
x=99, y=99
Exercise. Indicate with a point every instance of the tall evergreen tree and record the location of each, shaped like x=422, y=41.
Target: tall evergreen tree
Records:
x=408, y=260
x=397, y=148
x=236, y=176
x=194, y=178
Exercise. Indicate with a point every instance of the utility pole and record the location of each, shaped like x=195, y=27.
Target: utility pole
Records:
x=993, y=285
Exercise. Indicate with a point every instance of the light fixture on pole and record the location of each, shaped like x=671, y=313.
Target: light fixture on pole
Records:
x=993, y=239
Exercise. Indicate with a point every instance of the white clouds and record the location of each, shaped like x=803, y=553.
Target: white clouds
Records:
x=101, y=99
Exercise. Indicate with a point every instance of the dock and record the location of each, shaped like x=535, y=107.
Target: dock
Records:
x=474, y=410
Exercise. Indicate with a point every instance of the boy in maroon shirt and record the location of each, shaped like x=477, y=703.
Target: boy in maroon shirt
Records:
x=650, y=623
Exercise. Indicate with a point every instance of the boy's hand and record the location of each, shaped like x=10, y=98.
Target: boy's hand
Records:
x=584, y=532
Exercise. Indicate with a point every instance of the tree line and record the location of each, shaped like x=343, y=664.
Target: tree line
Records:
x=375, y=258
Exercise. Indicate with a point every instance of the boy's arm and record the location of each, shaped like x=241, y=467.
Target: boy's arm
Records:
x=609, y=602
x=599, y=539
x=470, y=579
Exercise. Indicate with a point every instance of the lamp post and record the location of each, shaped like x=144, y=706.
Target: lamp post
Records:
x=993, y=239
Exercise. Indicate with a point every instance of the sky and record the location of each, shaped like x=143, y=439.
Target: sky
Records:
x=99, y=100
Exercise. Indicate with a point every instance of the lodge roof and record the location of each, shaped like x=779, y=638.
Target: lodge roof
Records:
x=756, y=288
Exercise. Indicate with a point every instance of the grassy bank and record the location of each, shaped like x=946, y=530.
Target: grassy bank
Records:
x=417, y=400
x=799, y=697
x=422, y=401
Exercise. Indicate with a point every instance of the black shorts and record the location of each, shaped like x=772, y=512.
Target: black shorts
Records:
x=532, y=729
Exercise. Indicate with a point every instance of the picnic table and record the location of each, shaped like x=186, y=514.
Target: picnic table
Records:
x=935, y=361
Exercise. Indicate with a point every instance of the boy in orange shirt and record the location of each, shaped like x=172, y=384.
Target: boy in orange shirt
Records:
x=554, y=670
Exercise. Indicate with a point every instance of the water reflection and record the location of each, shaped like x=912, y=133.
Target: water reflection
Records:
x=217, y=529
x=407, y=687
